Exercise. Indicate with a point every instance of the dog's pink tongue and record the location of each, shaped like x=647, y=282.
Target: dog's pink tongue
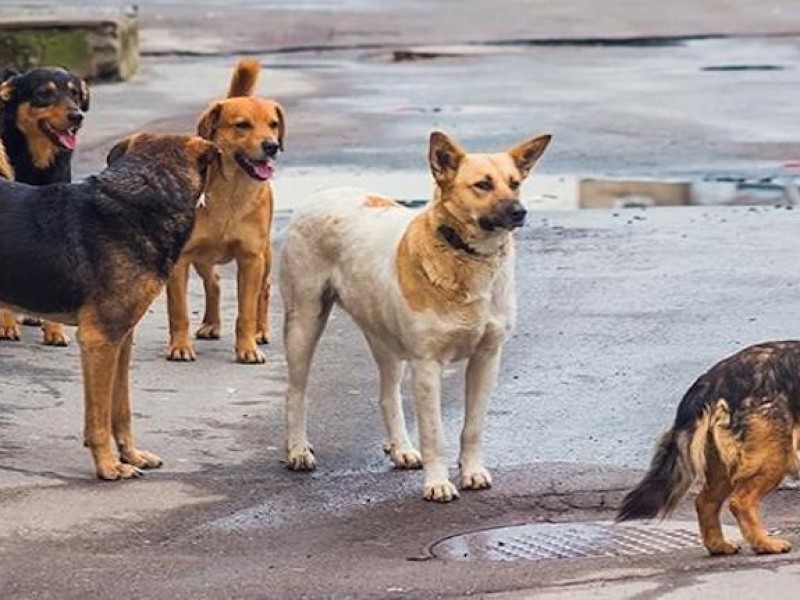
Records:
x=68, y=139
x=263, y=169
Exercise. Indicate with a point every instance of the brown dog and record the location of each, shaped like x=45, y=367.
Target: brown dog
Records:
x=736, y=433
x=95, y=254
x=234, y=222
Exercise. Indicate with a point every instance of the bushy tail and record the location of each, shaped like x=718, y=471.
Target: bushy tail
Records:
x=679, y=461
x=245, y=78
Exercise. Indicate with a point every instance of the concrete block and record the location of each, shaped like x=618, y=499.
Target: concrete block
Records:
x=101, y=48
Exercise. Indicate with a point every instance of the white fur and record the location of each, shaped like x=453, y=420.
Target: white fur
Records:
x=336, y=248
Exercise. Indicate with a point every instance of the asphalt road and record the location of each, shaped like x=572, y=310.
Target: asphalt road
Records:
x=619, y=311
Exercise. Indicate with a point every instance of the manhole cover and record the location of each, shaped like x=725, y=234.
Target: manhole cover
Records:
x=543, y=541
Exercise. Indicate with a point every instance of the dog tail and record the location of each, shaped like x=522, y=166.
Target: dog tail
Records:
x=680, y=456
x=245, y=78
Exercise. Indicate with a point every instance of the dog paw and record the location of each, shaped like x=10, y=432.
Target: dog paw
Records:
x=55, y=337
x=403, y=457
x=208, y=331
x=725, y=548
x=262, y=338
x=10, y=332
x=31, y=321
x=772, y=546
x=439, y=491
x=479, y=479
x=250, y=356
x=181, y=353
x=301, y=459
x=114, y=471
x=141, y=459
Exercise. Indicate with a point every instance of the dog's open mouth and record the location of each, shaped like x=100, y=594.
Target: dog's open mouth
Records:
x=257, y=169
x=66, y=139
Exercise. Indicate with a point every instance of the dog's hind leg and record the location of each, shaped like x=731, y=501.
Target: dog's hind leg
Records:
x=121, y=414
x=9, y=328
x=53, y=334
x=399, y=446
x=262, y=335
x=709, y=502
x=212, y=321
x=766, y=457
x=100, y=357
x=307, y=312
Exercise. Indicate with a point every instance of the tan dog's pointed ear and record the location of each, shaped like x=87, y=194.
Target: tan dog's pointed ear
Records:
x=444, y=156
x=207, y=125
x=118, y=150
x=527, y=153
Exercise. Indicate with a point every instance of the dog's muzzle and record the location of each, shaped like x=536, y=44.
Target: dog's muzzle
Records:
x=509, y=215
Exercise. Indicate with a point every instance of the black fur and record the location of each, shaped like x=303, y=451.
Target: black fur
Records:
x=64, y=243
x=24, y=89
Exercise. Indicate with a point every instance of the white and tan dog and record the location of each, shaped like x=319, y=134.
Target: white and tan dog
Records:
x=427, y=288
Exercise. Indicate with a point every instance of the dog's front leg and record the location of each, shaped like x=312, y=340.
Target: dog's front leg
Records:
x=250, y=278
x=480, y=379
x=99, y=358
x=180, y=346
x=121, y=414
x=427, y=376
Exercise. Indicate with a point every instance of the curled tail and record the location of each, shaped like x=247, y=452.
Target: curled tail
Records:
x=245, y=78
x=679, y=461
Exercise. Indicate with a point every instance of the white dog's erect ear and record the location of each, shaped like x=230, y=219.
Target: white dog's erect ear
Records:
x=444, y=157
x=527, y=153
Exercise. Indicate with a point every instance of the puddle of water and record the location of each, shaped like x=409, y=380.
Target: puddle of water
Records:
x=557, y=192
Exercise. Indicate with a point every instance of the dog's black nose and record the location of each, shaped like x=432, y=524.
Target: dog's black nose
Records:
x=270, y=148
x=516, y=212
x=75, y=118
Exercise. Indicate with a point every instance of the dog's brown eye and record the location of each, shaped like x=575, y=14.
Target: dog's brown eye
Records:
x=243, y=125
x=485, y=185
x=273, y=124
x=514, y=185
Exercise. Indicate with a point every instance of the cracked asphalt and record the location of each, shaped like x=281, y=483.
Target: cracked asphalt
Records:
x=618, y=311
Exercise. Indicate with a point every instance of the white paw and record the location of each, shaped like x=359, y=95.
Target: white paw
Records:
x=403, y=456
x=478, y=479
x=440, y=491
x=301, y=458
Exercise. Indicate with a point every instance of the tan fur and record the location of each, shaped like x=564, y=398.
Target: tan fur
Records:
x=234, y=224
x=427, y=289
x=431, y=279
x=245, y=78
x=6, y=171
x=378, y=201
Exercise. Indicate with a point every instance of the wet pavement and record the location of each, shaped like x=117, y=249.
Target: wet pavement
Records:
x=619, y=310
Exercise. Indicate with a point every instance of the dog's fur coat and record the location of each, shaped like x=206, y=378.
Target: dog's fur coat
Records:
x=426, y=288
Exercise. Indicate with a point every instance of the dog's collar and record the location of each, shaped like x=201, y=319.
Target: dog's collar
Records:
x=449, y=235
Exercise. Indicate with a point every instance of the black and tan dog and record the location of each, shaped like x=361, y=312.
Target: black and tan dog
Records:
x=95, y=254
x=42, y=111
x=736, y=433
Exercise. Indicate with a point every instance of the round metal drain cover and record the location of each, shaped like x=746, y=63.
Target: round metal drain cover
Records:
x=543, y=541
